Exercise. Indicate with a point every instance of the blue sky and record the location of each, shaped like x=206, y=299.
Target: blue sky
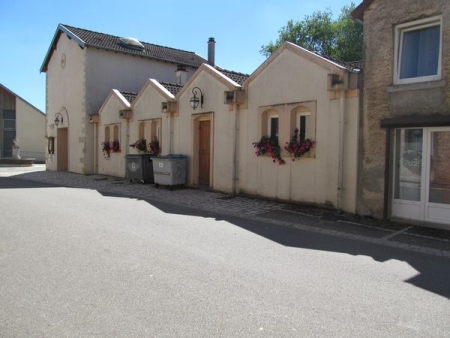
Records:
x=240, y=28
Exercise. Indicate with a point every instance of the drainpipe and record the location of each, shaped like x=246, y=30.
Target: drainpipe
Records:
x=341, y=150
x=96, y=148
x=387, y=165
x=127, y=139
x=169, y=126
x=235, y=149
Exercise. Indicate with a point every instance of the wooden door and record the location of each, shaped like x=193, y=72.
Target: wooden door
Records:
x=62, y=149
x=204, y=152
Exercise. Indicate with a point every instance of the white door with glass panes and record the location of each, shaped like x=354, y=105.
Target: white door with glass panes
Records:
x=421, y=188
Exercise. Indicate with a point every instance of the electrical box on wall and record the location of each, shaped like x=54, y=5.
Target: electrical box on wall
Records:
x=125, y=113
x=169, y=107
x=51, y=145
x=234, y=97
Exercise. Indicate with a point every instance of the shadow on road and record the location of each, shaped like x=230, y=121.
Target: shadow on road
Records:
x=12, y=183
x=434, y=271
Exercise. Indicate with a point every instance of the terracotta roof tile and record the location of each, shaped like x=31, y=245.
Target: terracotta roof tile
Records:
x=357, y=64
x=130, y=96
x=110, y=42
x=171, y=87
x=239, y=78
x=353, y=66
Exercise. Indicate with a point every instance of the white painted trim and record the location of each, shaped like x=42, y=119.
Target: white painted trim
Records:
x=398, y=44
x=308, y=123
x=269, y=124
x=422, y=210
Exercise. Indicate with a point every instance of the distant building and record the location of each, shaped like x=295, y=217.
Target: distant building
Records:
x=19, y=119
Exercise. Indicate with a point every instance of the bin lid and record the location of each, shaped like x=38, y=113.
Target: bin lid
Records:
x=139, y=155
x=172, y=156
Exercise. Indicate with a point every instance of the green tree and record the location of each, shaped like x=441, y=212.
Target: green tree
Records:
x=341, y=38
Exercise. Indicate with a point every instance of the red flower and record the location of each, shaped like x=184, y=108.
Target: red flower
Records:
x=298, y=148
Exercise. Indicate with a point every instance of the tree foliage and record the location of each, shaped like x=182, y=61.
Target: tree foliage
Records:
x=341, y=38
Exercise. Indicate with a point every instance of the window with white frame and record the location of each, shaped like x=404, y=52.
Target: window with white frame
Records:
x=304, y=125
x=418, y=51
x=272, y=126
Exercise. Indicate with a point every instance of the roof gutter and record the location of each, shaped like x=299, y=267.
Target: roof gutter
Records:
x=358, y=13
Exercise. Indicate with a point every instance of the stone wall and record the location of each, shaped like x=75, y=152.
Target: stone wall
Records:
x=382, y=99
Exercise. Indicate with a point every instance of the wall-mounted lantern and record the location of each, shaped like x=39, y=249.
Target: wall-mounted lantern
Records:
x=57, y=116
x=51, y=145
x=195, y=100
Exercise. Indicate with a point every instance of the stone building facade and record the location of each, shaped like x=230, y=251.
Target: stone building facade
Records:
x=405, y=122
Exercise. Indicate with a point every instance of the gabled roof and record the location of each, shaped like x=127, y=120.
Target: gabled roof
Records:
x=14, y=94
x=235, y=76
x=219, y=74
x=130, y=96
x=167, y=90
x=171, y=87
x=320, y=60
x=351, y=66
x=356, y=64
x=358, y=13
x=118, y=96
x=87, y=38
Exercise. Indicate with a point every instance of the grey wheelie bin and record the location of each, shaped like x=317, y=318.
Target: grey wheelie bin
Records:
x=140, y=167
x=170, y=170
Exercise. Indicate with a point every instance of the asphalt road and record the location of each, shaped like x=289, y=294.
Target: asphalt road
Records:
x=76, y=263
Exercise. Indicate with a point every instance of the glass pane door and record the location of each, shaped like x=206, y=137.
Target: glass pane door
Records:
x=439, y=187
x=422, y=175
x=408, y=164
x=437, y=208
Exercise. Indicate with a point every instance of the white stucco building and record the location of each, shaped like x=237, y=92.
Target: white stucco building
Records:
x=82, y=67
x=294, y=88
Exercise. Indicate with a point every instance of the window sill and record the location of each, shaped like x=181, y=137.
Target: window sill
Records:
x=416, y=86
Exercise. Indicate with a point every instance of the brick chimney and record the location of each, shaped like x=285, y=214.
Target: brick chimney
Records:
x=211, y=51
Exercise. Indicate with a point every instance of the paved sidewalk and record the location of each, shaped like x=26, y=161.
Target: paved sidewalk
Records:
x=420, y=239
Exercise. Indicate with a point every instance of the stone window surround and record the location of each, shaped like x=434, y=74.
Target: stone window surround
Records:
x=287, y=115
x=416, y=86
x=151, y=129
x=112, y=133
